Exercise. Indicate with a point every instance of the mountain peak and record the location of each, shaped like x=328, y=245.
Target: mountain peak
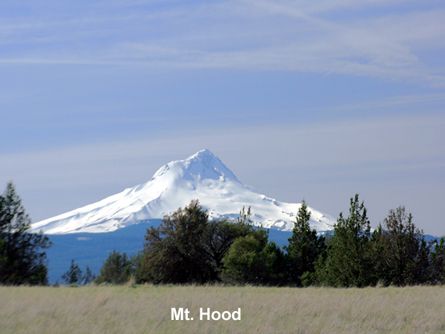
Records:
x=201, y=176
x=203, y=154
x=200, y=166
x=207, y=165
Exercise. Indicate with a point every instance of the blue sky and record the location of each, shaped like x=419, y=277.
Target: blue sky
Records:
x=302, y=99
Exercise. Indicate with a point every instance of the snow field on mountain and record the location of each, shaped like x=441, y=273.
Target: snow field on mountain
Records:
x=202, y=176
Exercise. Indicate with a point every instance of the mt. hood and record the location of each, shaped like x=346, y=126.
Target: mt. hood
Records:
x=202, y=176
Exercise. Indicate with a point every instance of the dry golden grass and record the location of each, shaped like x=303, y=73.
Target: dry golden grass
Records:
x=146, y=309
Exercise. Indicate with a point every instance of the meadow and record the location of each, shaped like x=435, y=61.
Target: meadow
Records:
x=147, y=309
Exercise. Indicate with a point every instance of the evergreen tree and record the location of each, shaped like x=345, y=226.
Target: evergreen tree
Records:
x=116, y=269
x=422, y=264
x=348, y=262
x=438, y=262
x=73, y=276
x=22, y=255
x=245, y=216
x=377, y=251
x=253, y=260
x=403, y=256
x=88, y=276
x=304, y=247
x=175, y=252
x=187, y=248
x=218, y=238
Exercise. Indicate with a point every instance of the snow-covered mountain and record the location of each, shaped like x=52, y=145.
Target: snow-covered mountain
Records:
x=202, y=176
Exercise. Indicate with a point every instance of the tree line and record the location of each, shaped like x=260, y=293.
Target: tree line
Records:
x=189, y=248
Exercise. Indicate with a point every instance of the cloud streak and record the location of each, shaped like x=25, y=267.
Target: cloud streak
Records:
x=244, y=35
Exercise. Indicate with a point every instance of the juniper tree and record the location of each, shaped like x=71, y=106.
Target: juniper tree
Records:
x=253, y=260
x=175, y=251
x=116, y=269
x=218, y=238
x=187, y=248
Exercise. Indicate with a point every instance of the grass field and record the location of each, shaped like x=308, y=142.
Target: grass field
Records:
x=146, y=309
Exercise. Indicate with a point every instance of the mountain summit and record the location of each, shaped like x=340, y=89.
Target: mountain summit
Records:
x=201, y=165
x=201, y=176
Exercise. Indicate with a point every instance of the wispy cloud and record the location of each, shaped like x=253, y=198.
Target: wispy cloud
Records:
x=260, y=34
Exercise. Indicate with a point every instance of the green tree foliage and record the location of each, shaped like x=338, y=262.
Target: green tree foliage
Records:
x=348, y=262
x=253, y=260
x=438, y=262
x=117, y=269
x=402, y=255
x=175, y=251
x=376, y=250
x=73, y=276
x=218, y=238
x=422, y=264
x=186, y=248
x=22, y=254
x=304, y=248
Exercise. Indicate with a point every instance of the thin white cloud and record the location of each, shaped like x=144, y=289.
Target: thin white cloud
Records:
x=242, y=35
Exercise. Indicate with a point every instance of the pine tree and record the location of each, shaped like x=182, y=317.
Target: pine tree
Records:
x=73, y=275
x=422, y=264
x=377, y=251
x=304, y=247
x=245, y=216
x=403, y=255
x=438, y=262
x=348, y=261
x=88, y=276
x=22, y=254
